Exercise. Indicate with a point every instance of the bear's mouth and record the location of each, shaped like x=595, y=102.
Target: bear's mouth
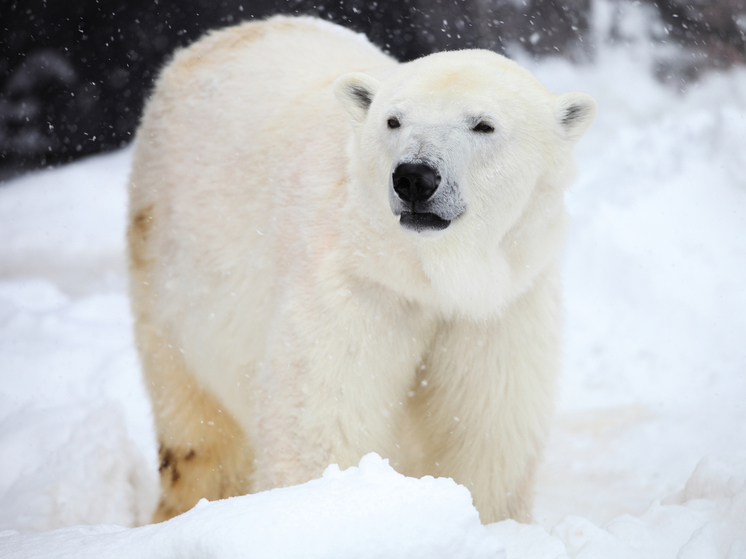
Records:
x=419, y=222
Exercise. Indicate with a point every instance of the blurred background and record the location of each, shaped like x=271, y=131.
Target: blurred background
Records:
x=74, y=75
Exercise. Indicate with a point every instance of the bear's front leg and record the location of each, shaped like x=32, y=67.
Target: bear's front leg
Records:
x=485, y=401
x=334, y=381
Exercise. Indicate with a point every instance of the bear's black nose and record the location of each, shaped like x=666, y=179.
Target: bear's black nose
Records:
x=415, y=182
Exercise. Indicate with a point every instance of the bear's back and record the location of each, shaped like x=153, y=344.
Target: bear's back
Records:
x=291, y=52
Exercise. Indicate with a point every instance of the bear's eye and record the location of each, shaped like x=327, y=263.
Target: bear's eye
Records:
x=393, y=123
x=484, y=128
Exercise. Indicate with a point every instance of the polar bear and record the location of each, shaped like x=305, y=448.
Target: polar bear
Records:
x=333, y=253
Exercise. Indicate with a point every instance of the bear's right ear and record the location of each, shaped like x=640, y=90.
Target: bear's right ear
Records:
x=355, y=92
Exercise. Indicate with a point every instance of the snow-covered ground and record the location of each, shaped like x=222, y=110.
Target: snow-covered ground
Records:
x=648, y=451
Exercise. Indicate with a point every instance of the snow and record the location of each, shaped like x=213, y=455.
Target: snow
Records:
x=647, y=456
x=655, y=295
x=367, y=512
x=74, y=418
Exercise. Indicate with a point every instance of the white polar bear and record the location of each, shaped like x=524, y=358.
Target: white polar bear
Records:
x=315, y=278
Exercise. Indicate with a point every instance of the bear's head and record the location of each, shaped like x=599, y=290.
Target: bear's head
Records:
x=471, y=155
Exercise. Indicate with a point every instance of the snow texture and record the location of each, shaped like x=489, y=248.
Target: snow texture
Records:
x=647, y=456
x=365, y=512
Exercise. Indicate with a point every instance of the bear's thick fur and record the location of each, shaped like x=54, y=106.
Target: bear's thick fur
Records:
x=333, y=253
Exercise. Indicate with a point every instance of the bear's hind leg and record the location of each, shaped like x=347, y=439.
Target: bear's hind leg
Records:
x=203, y=451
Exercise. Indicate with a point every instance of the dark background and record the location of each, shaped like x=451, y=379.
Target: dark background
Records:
x=74, y=75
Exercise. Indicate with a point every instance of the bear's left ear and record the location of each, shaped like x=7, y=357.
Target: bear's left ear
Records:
x=355, y=92
x=575, y=113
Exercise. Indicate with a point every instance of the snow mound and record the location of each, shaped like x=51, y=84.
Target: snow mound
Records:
x=365, y=512
x=371, y=511
x=707, y=520
x=74, y=419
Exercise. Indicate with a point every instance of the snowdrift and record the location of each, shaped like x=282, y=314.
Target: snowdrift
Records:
x=374, y=512
x=370, y=511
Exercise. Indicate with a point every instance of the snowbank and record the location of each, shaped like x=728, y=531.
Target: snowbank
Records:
x=75, y=422
x=365, y=512
x=372, y=512
x=706, y=520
